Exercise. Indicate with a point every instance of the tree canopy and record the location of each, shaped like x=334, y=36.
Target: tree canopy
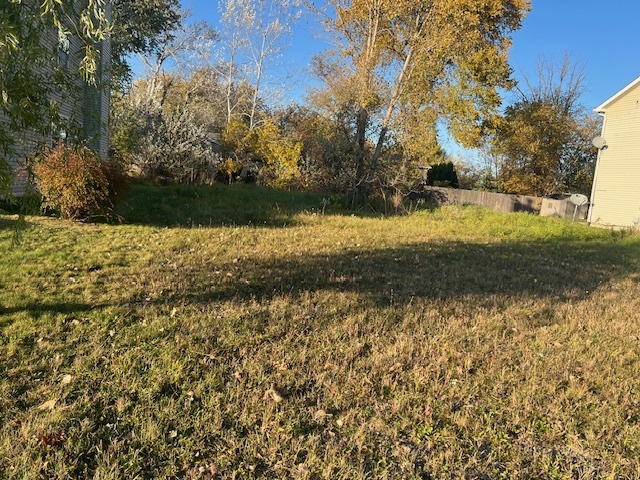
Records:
x=400, y=72
x=140, y=27
x=404, y=65
x=544, y=138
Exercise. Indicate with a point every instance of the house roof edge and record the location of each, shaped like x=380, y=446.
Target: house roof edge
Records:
x=603, y=106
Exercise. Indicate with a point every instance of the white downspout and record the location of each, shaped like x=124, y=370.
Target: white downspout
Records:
x=595, y=173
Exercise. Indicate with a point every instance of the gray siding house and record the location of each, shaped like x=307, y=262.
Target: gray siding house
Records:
x=83, y=108
x=615, y=196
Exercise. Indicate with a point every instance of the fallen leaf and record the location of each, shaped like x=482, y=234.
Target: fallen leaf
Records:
x=189, y=399
x=48, y=405
x=66, y=380
x=273, y=395
x=54, y=439
x=320, y=416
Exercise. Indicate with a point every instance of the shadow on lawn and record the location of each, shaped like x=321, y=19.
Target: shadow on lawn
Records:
x=7, y=224
x=559, y=270
x=38, y=309
x=193, y=206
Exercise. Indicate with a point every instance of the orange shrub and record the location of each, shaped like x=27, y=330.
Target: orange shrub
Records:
x=75, y=183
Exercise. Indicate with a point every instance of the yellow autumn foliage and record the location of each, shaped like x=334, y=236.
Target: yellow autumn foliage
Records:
x=268, y=145
x=279, y=154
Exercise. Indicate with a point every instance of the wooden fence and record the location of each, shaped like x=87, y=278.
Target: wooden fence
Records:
x=502, y=202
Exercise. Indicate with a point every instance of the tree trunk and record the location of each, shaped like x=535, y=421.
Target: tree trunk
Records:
x=359, y=184
x=395, y=98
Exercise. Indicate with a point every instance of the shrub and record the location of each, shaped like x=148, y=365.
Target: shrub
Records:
x=268, y=146
x=116, y=180
x=280, y=156
x=230, y=168
x=443, y=175
x=75, y=183
x=169, y=145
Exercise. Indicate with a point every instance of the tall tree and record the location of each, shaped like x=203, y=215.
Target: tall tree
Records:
x=179, y=46
x=255, y=34
x=426, y=60
x=544, y=138
x=233, y=41
x=140, y=27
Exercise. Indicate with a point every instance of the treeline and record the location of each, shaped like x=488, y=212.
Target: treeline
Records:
x=210, y=104
x=177, y=129
x=208, y=109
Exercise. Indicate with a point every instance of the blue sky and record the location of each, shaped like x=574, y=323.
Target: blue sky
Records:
x=602, y=35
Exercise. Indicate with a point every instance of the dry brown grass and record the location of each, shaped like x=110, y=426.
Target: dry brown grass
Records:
x=452, y=344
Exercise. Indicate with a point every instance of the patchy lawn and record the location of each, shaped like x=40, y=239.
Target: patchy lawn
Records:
x=256, y=337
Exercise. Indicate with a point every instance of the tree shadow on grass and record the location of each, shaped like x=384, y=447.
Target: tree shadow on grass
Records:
x=217, y=205
x=36, y=310
x=449, y=271
x=7, y=223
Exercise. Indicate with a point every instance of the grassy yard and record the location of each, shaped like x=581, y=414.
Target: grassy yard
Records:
x=238, y=333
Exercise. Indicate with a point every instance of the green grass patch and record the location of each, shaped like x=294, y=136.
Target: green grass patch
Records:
x=239, y=204
x=186, y=342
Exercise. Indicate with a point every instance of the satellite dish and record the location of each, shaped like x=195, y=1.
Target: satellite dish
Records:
x=578, y=199
x=599, y=142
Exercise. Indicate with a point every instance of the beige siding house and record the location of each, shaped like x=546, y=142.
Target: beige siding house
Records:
x=615, y=197
x=83, y=108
